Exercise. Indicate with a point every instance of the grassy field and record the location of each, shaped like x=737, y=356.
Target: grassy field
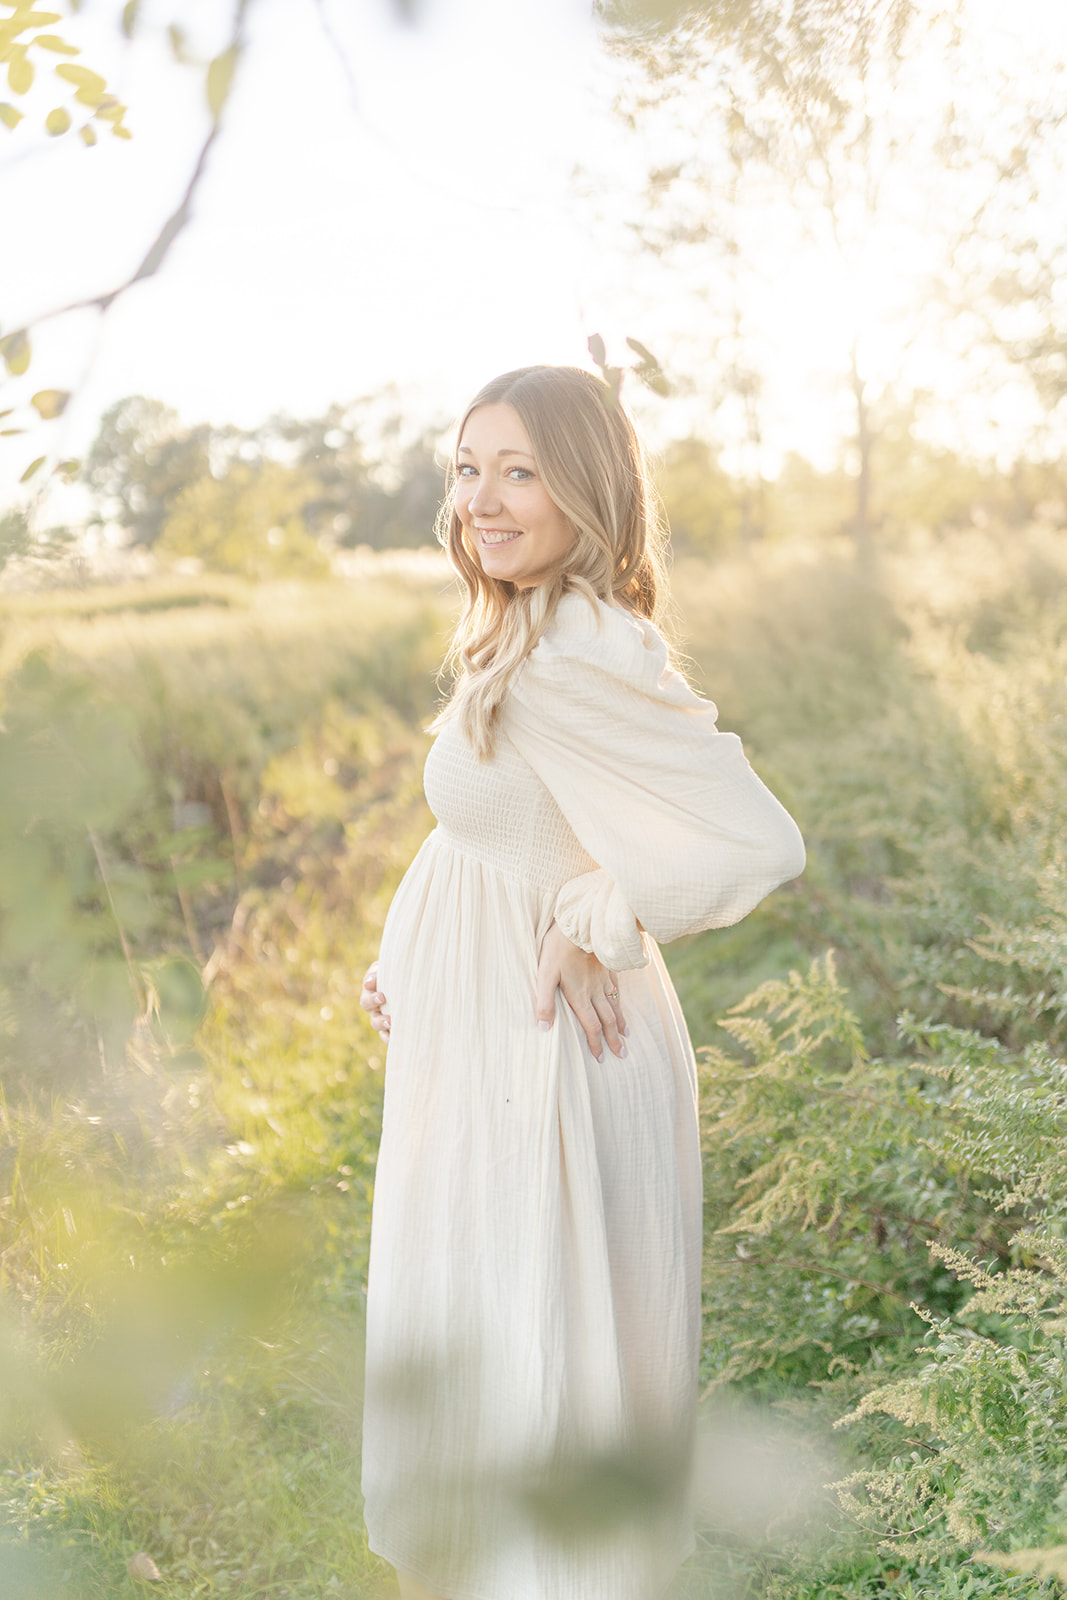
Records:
x=216, y=779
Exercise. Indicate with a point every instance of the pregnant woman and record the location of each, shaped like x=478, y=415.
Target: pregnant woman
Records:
x=533, y=1310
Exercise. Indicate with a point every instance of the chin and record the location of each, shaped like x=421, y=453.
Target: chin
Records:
x=502, y=572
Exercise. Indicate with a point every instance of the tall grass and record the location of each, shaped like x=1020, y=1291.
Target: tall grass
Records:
x=861, y=1165
x=185, y=1176
x=185, y=1227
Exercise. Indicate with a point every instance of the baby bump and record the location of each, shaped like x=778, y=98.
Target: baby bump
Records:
x=460, y=944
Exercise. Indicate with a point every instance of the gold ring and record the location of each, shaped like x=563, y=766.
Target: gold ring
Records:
x=614, y=995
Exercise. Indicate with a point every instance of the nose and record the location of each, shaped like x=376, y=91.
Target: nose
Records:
x=485, y=499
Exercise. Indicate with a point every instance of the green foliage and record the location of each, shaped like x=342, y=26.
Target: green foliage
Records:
x=15, y=538
x=140, y=460
x=822, y=1189
x=248, y=521
x=184, y=1229
x=702, y=502
x=349, y=477
x=822, y=45
x=916, y=487
x=71, y=911
x=120, y=802
x=23, y=35
x=886, y=1198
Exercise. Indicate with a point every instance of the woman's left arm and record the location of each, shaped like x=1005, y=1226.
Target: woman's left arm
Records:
x=686, y=836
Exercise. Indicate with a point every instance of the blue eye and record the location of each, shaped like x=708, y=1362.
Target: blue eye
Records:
x=524, y=472
x=464, y=469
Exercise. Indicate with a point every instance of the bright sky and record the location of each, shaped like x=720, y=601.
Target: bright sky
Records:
x=418, y=226
x=426, y=237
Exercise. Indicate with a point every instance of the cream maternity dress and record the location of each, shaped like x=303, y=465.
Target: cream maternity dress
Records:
x=533, y=1311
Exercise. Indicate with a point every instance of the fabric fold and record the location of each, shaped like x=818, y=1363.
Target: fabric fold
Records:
x=666, y=806
x=592, y=912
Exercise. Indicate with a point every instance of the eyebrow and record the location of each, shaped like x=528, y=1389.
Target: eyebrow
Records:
x=465, y=449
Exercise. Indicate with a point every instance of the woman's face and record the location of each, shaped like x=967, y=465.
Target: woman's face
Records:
x=516, y=530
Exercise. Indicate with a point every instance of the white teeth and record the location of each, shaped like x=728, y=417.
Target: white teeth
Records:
x=496, y=538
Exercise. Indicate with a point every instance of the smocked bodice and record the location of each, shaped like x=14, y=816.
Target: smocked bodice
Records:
x=499, y=812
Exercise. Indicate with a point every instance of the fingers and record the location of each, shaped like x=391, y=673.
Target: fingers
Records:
x=548, y=977
x=596, y=1012
x=590, y=990
x=616, y=1004
x=597, y=1019
x=590, y=1024
x=371, y=997
x=609, y=1024
x=547, y=984
x=603, y=1021
x=374, y=1003
x=593, y=1026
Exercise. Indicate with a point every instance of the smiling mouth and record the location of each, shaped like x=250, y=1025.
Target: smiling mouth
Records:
x=499, y=535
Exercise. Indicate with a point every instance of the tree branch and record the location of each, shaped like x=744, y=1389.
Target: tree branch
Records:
x=162, y=244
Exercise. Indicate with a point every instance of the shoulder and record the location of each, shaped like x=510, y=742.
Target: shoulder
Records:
x=605, y=647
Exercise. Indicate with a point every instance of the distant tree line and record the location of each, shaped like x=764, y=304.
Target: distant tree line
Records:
x=276, y=500
x=268, y=500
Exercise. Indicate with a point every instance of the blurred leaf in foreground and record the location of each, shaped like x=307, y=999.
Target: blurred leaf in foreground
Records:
x=49, y=403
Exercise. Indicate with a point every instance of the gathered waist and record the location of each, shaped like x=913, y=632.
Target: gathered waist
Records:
x=516, y=867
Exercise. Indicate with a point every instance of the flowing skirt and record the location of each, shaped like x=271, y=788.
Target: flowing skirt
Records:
x=533, y=1312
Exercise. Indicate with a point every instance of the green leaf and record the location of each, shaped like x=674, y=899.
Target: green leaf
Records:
x=648, y=370
x=88, y=134
x=129, y=17
x=9, y=116
x=16, y=352
x=653, y=378
x=120, y=132
x=68, y=470
x=91, y=88
x=82, y=77
x=176, y=36
x=24, y=19
x=52, y=41
x=643, y=351
x=57, y=121
x=34, y=466
x=219, y=80
x=20, y=72
x=597, y=350
x=49, y=403
x=9, y=433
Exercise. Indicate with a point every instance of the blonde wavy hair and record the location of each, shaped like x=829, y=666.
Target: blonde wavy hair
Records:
x=591, y=462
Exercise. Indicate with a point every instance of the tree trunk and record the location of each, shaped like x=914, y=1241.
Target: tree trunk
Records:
x=861, y=521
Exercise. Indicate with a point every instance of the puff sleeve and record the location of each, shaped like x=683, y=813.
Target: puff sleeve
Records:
x=685, y=835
